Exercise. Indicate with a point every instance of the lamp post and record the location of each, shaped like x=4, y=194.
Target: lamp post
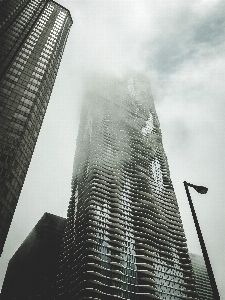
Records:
x=202, y=190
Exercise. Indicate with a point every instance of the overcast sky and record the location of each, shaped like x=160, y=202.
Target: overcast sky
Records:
x=179, y=45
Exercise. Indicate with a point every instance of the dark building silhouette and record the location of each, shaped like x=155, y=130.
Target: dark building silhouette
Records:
x=31, y=273
x=201, y=276
x=124, y=237
x=33, y=35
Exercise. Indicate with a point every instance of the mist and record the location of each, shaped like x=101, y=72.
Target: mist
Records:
x=179, y=45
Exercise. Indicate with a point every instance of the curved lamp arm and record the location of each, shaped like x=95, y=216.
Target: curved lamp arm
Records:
x=202, y=190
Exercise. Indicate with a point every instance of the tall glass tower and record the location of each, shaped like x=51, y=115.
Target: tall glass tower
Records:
x=124, y=237
x=33, y=35
x=201, y=276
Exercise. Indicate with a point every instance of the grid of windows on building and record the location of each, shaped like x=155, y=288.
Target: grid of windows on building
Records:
x=201, y=276
x=30, y=64
x=123, y=238
x=18, y=18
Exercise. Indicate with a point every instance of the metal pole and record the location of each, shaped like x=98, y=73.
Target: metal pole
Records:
x=202, y=243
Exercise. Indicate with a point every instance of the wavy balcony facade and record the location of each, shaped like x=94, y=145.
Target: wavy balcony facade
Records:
x=124, y=237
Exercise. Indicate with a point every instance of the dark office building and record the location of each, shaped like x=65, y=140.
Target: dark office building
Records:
x=124, y=237
x=31, y=273
x=203, y=285
x=33, y=35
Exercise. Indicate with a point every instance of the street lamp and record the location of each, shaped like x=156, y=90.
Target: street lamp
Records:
x=202, y=190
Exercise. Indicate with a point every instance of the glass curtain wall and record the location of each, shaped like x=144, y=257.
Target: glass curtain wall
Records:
x=29, y=70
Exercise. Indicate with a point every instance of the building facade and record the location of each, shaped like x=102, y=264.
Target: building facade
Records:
x=201, y=276
x=123, y=237
x=31, y=272
x=33, y=35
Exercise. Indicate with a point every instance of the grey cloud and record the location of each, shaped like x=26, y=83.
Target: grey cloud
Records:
x=170, y=55
x=211, y=29
x=180, y=133
x=188, y=36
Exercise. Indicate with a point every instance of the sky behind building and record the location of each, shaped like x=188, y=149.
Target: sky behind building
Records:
x=180, y=46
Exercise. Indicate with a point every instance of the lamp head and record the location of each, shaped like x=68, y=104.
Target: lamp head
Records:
x=200, y=189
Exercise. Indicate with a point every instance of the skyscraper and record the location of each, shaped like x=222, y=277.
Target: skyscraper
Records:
x=33, y=36
x=124, y=237
x=201, y=276
x=31, y=272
